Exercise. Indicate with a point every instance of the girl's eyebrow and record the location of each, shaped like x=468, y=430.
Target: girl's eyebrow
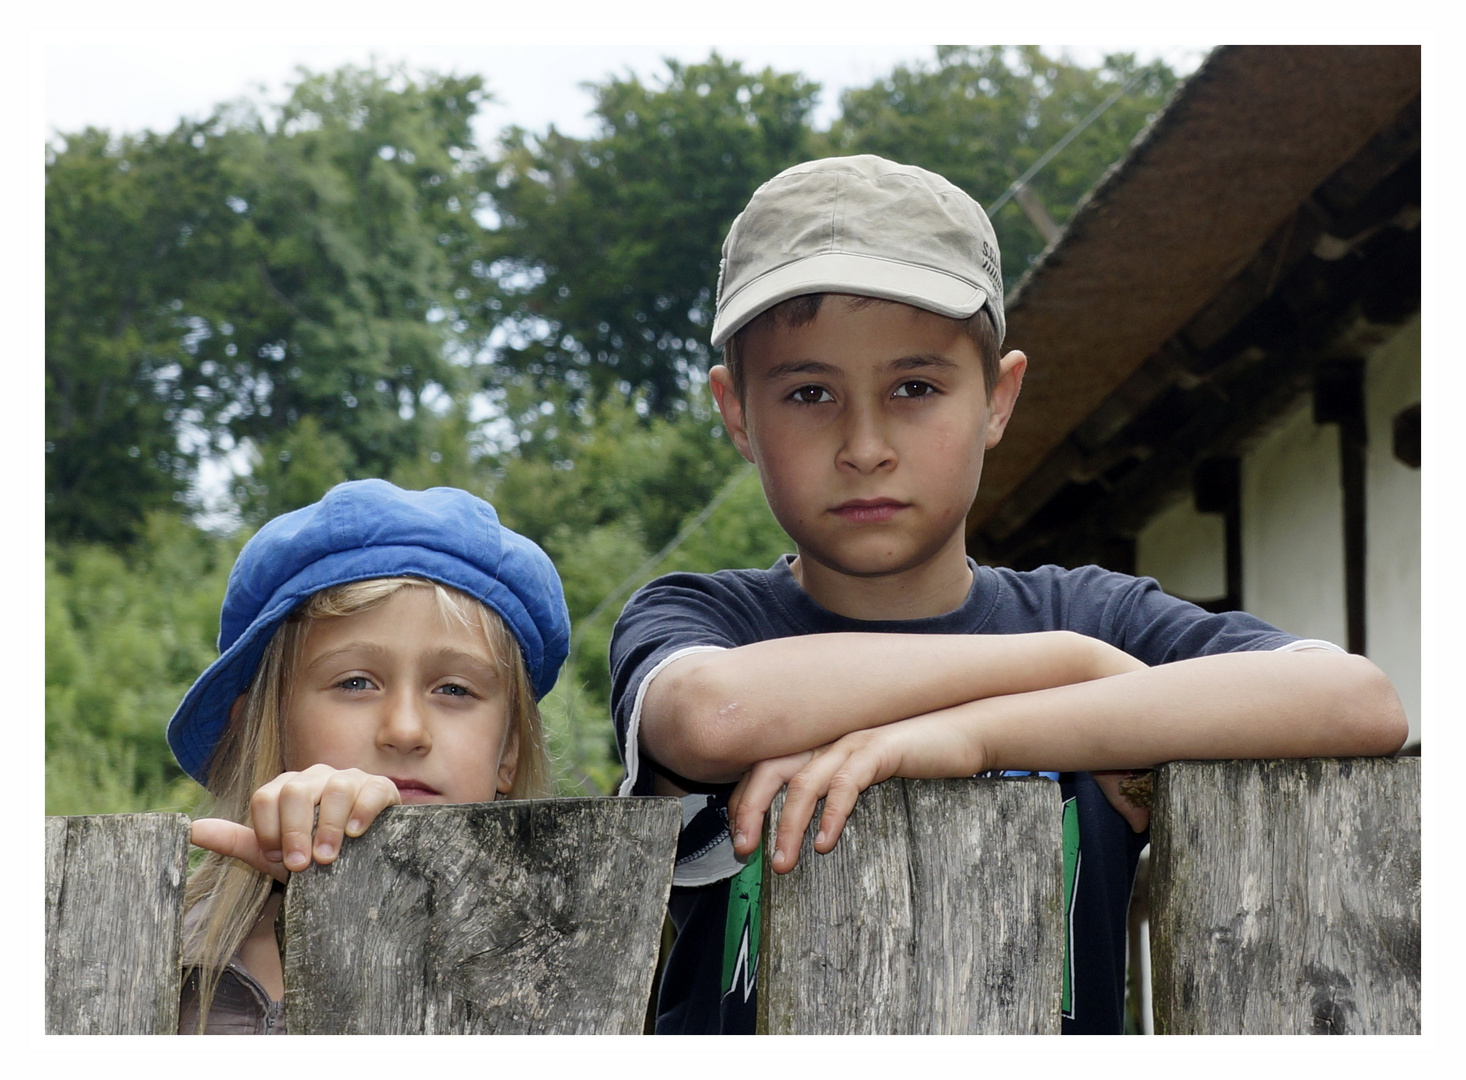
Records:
x=485, y=662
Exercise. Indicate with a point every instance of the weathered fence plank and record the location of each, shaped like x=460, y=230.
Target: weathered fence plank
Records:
x=518, y=917
x=114, y=923
x=940, y=911
x=1285, y=897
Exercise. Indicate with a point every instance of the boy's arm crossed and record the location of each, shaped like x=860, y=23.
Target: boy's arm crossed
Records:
x=1236, y=705
x=710, y=716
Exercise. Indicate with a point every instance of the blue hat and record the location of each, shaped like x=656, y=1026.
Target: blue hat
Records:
x=360, y=530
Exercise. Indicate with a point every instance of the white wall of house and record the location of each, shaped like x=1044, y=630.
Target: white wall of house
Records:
x=1392, y=522
x=1185, y=552
x=1292, y=529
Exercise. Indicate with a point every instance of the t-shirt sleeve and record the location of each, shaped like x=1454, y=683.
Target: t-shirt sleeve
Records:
x=668, y=619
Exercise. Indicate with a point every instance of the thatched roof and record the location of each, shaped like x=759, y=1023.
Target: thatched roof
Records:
x=1234, y=206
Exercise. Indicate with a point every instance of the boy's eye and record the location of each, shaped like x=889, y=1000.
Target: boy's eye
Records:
x=810, y=395
x=915, y=388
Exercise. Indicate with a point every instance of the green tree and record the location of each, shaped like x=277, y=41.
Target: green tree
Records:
x=607, y=248
x=227, y=281
x=130, y=224
x=981, y=116
x=126, y=635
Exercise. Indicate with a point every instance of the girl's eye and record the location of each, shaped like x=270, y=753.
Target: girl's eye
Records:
x=915, y=388
x=454, y=690
x=355, y=682
x=810, y=395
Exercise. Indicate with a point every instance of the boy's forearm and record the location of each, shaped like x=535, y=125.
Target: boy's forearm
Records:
x=710, y=716
x=1238, y=705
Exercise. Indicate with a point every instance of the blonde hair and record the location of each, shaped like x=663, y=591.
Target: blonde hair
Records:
x=251, y=753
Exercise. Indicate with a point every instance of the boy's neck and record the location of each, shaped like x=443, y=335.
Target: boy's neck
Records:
x=934, y=588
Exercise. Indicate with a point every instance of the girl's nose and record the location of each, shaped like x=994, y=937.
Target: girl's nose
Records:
x=404, y=726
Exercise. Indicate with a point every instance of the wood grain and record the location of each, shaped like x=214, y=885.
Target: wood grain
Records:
x=114, y=923
x=533, y=917
x=939, y=912
x=1286, y=897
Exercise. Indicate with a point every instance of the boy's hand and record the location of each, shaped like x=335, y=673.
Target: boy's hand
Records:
x=922, y=747
x=1138, y=817
x=287, y=832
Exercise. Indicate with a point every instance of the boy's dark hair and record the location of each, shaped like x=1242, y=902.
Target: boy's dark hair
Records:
x=799, y=310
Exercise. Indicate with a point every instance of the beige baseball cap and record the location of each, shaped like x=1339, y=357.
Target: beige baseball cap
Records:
x=860, y=225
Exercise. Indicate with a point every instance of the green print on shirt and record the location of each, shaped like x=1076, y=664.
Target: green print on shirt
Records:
x=740, y=934
x=1071, y=880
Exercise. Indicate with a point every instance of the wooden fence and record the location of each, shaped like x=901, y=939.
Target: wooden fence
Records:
x=516, y=917
x=1284, y=898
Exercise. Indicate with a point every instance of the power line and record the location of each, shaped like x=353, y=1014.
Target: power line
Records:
x=1068, y=137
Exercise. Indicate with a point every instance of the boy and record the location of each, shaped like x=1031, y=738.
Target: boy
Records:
x=860, y=310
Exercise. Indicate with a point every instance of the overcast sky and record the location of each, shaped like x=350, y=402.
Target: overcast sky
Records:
x=130, y=78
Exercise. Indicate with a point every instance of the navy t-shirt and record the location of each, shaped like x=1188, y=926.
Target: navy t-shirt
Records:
x=710, y=982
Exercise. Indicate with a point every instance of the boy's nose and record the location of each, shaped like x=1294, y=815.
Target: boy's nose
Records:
x=404, y=726
x=866, y=446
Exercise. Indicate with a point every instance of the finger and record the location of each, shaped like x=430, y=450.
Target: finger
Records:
x=338, y=798
x=236, y=841
x=297, y=803
x=374, y=796
x=801, y=797
x=754, y=795
x=264, y=815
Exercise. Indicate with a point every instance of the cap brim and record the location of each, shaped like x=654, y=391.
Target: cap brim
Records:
x=861, y=275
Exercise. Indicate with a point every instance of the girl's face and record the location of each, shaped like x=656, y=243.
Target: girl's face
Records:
x=402, y=692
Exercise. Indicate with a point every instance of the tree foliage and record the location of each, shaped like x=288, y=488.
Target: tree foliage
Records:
x=981, y=116
x=229, y=280
x=607, y=248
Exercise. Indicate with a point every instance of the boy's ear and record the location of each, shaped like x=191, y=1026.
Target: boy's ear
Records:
x=508, y=762
x=730, y=408
x=1005, y=395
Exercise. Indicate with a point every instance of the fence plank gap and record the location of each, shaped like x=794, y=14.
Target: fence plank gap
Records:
x=940, y=911
x=1285, y=897
x=520, y=917
x=114, y=923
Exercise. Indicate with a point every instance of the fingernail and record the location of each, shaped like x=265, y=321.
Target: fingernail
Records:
x=778, y=854
x=739, y=839
x=324, y=851
x=297, y=860
x=353, y=826
x=274, y=856
x=819, y=837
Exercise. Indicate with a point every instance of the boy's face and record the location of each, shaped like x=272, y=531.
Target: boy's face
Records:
x=868, y=426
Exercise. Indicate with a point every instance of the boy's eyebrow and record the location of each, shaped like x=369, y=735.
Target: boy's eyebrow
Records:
x=800, y=367
x=914, y=362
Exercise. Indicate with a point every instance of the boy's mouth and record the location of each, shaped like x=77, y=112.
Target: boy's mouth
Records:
x=868, y=511
x=415, y=790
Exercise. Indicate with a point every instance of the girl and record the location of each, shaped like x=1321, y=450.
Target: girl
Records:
x=378, y=647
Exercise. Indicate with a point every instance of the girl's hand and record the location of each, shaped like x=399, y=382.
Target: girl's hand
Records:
x=287, y=832
x=922, y=747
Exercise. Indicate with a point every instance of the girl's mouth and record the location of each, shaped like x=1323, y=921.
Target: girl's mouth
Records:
x=415, y=790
